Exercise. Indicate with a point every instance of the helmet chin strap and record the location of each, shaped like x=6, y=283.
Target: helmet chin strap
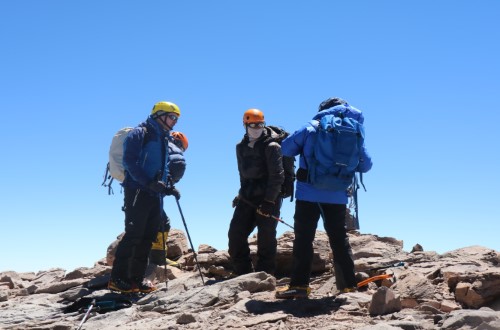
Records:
x=163, y=122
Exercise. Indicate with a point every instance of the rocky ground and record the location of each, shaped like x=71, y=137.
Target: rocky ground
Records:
x=456, y=290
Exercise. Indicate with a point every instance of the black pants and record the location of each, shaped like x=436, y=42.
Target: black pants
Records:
x=306, y=220
x=244, y=221
x=143, y=214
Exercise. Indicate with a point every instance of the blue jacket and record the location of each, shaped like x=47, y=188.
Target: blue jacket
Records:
x=302, y=143
x=145, y=155
x=176, y=161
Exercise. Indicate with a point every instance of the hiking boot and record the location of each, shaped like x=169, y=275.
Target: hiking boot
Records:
x=143, y=286
x=347, y=290
x=293, y=292
x=172, y=263
x=231, y=275
x=121, y=285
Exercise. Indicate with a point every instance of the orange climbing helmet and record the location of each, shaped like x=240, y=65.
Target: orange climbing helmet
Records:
x=182, y=138
x=253, y=116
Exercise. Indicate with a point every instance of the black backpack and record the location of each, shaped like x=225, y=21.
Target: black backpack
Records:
x=106, y=303
x=287, y=189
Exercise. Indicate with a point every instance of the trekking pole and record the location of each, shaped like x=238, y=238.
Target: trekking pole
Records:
x=355, y=200
x=165, y=257
x=190, y=242
x=92, y=304
x=165, y=272
x=356, y=186
x=272, y=216
x=164, y=249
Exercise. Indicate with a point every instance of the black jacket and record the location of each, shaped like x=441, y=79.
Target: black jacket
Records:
x=260, y=167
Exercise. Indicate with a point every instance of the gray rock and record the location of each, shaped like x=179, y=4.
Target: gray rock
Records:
x=4, y=295
x=186, y=318
x=57, y=287
x=380, y=326
x=384, y=301
x=484, y=319
x=433, y=288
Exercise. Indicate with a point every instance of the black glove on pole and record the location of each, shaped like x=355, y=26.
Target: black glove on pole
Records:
x=272, y=216
x=171, y=191
x=266, y=208
x=157, y=186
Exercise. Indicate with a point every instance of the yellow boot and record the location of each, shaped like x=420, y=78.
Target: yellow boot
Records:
x=159, y=249
x=172, y=263
x=158, y=255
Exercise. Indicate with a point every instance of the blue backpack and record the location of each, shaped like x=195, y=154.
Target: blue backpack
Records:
x=337, y=150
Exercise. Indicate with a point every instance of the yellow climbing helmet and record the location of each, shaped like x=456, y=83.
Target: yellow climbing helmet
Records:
x=164, y=107
x=253, y=116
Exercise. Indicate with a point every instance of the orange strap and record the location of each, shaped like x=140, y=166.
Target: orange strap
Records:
x=374, y=278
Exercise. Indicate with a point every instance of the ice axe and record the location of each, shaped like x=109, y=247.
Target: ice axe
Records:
x=272, y=216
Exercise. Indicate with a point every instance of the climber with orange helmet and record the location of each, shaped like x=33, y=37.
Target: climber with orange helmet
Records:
x=180, y=140
x=259, y=198
x=177, y=145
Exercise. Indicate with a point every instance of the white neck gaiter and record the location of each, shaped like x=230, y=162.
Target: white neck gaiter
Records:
x=254, y=134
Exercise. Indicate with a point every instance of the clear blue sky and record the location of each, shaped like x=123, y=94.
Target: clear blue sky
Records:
x=426, y=74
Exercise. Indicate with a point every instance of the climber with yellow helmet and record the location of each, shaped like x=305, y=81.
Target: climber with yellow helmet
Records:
x=145, y=160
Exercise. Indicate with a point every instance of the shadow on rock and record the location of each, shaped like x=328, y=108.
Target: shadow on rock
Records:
x=297, y=308
x=102, y=304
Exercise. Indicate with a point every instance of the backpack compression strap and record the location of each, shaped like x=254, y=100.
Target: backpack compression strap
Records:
x=109, y=179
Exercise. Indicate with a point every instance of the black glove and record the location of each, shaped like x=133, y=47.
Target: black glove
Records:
x=171, y=191
x=157, y=186
x=266, y=209
x=287, y=189
x=236, y=200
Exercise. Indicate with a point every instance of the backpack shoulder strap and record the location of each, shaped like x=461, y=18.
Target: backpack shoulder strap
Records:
x=314, y=123
x=282, y=134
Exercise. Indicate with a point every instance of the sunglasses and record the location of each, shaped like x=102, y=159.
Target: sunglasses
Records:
x=173, y=117
x=256, y=125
